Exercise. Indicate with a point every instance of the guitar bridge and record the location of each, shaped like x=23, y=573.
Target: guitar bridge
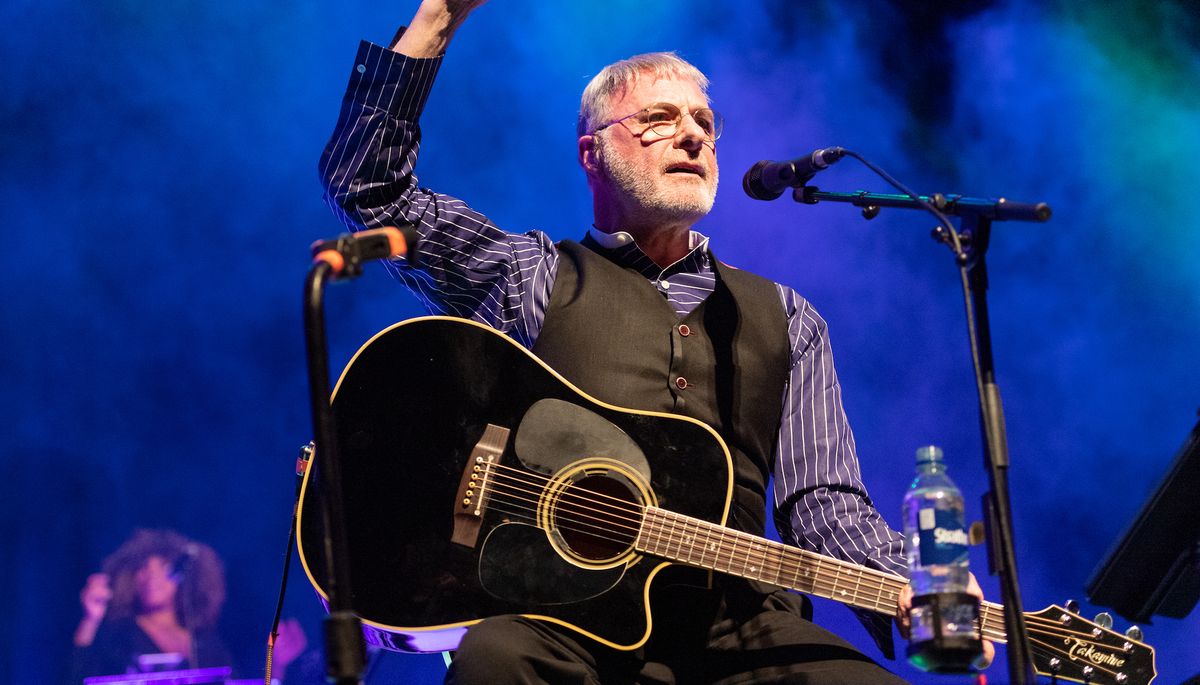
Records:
x=471, y=499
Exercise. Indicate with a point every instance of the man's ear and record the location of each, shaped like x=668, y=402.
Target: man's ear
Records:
x=589, y=154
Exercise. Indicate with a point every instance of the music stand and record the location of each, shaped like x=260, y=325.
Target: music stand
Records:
x=1155, y=567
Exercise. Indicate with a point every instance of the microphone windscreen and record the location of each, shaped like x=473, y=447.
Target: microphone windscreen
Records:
x=752, y=183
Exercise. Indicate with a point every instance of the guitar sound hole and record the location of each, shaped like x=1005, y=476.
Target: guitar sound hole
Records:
x=598, y=517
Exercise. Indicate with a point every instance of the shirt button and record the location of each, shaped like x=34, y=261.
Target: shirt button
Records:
x=362, y=68
x=665, y=285
x=681, y=383
x=684, y=330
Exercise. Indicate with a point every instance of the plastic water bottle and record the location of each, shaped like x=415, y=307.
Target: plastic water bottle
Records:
x=944, y=637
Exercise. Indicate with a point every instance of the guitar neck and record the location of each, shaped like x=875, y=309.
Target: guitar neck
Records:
x=698, y=543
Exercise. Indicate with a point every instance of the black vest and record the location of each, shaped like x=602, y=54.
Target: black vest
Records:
x=612, y=333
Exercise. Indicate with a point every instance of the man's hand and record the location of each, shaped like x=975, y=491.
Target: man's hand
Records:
x=434, y=24
x=904, y=620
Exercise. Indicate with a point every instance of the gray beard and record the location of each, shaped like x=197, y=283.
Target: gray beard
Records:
x=643, y=192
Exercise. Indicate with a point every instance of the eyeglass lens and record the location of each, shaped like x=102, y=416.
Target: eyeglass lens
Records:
x=663, y=118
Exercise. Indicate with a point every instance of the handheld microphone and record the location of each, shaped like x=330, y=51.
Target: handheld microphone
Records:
x=182, y=565
x=767, y=180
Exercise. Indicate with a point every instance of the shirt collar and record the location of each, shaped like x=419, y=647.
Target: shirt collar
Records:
x=621, y=238
x=624, y=251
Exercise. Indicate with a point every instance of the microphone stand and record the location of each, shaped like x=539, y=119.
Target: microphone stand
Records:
x=970, y=247
x=344, y=647
x=342, y=258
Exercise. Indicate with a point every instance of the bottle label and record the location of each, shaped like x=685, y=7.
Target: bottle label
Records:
x=941, y=537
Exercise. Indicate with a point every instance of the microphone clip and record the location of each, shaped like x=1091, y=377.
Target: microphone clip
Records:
x=346, y=253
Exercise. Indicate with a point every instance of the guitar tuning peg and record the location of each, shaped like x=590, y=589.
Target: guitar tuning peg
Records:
x=1134, y=633
x=1072, y=606
x=1104, y=620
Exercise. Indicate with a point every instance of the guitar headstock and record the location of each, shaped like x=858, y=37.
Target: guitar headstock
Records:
x=1070, y=647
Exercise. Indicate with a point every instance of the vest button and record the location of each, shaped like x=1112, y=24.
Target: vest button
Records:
x=684, y=330
x=681, y=383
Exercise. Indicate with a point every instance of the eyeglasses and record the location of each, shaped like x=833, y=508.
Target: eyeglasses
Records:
x=663, y=119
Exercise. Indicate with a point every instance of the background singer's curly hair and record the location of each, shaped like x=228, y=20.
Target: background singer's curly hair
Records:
x=201, y=592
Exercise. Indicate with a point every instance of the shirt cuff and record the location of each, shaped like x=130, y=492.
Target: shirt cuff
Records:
x=387, y=80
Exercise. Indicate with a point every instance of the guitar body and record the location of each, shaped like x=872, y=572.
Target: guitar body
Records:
x=411, y=409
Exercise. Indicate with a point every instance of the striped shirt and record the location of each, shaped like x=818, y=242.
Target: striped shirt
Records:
x=464, y=265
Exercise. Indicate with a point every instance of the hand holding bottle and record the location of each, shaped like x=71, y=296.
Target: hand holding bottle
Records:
x=904, y=621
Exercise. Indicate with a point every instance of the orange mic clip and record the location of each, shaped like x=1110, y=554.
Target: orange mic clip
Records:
x=346, y=253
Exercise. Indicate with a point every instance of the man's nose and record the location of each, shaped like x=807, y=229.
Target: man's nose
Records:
x=689, y=135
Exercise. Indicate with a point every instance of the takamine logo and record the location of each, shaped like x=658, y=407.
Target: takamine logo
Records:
x=949, y=537
x=1088, y=652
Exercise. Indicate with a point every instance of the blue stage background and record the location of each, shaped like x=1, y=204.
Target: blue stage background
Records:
x=159, y=191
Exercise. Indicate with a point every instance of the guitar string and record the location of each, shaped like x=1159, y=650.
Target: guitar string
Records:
x=790, y=561
x=572, y=491
x=564, y=523
x=750, y=540
x=995, y=617
x=996, y=632
x=815, y=578
x=515, y=483
x=779, y=558
x=775, y=551
x=775, y=555
x=537, y=479
x=532, y=498
x=728, y=557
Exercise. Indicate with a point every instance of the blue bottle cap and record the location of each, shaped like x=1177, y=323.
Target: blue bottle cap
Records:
x=929, y=454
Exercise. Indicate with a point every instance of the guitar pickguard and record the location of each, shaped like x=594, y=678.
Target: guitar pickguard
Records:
x=517, y=564
x=555, y=433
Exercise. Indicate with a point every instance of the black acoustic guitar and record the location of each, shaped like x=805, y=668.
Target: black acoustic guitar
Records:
x=479, y=482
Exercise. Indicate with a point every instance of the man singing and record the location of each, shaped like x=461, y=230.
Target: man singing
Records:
x=639, y=314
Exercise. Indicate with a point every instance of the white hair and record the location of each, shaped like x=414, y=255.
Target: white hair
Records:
x=619, y=76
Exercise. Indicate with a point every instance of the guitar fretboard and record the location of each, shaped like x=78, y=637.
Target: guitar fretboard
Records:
x=705, y=545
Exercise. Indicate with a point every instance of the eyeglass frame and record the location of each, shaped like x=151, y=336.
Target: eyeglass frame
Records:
x=718, y=121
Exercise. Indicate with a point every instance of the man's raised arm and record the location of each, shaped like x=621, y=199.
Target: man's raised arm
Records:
x=462, y=264
x=433, y=26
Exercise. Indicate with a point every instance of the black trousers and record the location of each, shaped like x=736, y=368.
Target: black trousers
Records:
x=700, y=636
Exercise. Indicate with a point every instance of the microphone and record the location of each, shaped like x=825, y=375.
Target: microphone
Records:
x=767, y=180
x=182, y=565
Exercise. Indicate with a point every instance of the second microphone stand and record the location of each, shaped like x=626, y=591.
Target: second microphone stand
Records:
x=969, y=245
